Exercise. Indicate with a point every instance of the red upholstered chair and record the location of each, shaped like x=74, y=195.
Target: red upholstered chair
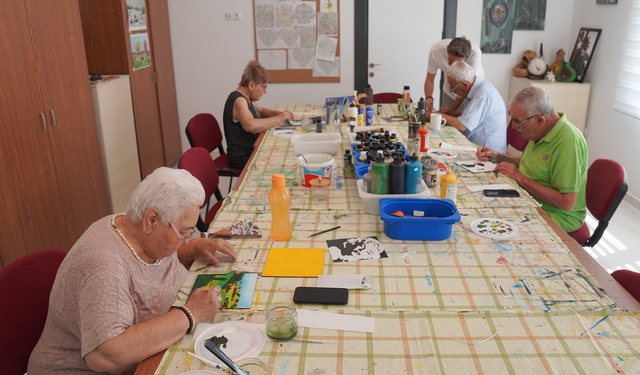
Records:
x=25, y=286
x=203, y=131
x=199, y=163
x=606, y=186
x=630, y=281
x=515, y=138
x=386, y=98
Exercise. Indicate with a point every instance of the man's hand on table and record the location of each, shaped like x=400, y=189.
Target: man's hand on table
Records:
x=510, y=170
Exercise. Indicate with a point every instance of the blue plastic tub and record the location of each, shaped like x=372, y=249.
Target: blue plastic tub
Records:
x=439, y=217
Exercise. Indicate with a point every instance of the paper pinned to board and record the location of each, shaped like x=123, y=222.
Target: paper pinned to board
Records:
x=339, y=322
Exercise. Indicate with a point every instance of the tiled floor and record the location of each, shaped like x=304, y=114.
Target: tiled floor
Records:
x=619, y=248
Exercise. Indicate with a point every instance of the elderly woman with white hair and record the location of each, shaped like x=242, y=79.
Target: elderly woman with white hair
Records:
x=110, y=306
x=484, y=118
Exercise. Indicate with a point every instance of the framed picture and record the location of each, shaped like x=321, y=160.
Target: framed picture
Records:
x=583, y=51
x=607, y=2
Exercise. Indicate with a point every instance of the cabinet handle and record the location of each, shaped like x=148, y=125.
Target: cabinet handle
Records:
x=154, y=77
x=159, y=76
x=44, y=121
x=53, y=118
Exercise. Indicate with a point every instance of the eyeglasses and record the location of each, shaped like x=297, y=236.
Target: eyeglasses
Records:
x=519, y=123
x=182, y=239
x=264, y=87
x=454, y=89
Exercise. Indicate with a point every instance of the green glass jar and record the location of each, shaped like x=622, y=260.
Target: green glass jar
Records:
x=282, y=321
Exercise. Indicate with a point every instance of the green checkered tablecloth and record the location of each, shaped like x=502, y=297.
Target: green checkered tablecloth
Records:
x=467, y=304
x=442, y=342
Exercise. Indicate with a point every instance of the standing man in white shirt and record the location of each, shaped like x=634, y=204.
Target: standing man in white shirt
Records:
x=442, y=55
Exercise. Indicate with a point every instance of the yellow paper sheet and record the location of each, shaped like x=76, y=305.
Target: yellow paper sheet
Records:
x=291, y=262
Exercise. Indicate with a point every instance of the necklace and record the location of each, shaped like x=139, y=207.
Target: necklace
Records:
x=113, y=224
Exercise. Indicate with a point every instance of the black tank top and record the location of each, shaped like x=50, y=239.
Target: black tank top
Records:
x=239, y=142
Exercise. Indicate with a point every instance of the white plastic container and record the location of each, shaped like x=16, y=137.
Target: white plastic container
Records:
x=312, y=166
x=370, y=202
x=316, y=143
x=352, y=136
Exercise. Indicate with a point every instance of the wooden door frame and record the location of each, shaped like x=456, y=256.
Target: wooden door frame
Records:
x=361, y=36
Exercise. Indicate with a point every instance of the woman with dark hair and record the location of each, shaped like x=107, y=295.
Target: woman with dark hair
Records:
x=244, y=119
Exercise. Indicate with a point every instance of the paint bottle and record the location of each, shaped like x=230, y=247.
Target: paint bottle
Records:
x=366, y=180
x=279, y=204
x=424, y=138
x=369, y=115
x=413, y=175
x=430, y=172
x=379, y=176
x=348, y=169
x=400, y=104
x=360, y=115
x=379, y=108
x=397, y=176
x=352, y=111
x=449, y=185
x=406, y=95
x=422, y=110
x=369, y=99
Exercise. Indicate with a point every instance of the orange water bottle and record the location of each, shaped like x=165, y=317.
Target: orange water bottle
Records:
x=279, y=203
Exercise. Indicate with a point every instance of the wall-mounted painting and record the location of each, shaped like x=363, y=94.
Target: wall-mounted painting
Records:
x=607, y=2
x=140, y=51
x=497, y=26
x=530, y=14
x=137, y=14
x=583, y=51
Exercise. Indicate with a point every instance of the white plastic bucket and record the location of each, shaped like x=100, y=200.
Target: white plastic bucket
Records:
x=312, y=166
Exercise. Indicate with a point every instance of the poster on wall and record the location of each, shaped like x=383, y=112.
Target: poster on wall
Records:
x=298, y=41
x=530, y=14
x=497, y=26
x=140, y=52
x=137, y=14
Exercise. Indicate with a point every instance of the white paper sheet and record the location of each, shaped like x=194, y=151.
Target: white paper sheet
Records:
x=273, y=59
x=345, y=281
x=267, y=38
x=301, y=58
x=326, y=68
x=447, y=146
x=476, y=166
x=494, y=186
x=304, y=13
x=326, y=48
x=339, y=322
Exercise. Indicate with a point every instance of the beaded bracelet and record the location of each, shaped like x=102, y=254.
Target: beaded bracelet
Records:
x=428, y=97
x=187, y=312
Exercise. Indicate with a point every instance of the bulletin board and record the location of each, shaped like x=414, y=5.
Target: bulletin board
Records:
x=298, y=41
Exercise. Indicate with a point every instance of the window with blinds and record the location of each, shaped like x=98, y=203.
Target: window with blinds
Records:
x=628, y=91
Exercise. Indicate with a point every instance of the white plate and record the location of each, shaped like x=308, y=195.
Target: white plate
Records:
x=440, y=153
x=245, y=340
x=495, y=228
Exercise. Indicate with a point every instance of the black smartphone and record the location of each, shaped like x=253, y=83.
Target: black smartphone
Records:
x=501, y=193
x=325, y=296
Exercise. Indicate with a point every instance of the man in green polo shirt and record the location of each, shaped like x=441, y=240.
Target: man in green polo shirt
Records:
x=553, y=167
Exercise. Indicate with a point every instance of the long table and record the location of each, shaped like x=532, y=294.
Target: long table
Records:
x=534, y=303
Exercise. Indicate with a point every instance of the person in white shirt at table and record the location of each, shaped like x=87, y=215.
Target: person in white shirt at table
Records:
x=484, y=118
x=441, y=56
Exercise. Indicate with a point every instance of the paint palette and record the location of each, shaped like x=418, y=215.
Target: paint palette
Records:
x=237, y=339
x=494, y=228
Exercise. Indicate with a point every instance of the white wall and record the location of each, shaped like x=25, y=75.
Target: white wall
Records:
x=610, y=134
x=210, y=54
x=497, y=67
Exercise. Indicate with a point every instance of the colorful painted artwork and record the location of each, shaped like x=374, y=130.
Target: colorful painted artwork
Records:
x=326, y=48
x=289, y=38
x=497, y=26
x=494, y=228
x=284, y=15
x=267, y=38
x=305, y=13
x=328, y=6
x=607, y=2
x=140, y=51
x=237, y=288
x=530, y=14
x=265, y=16
x=307, y=36
x=327, y=23
x=359, y=248
x=137, y=15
